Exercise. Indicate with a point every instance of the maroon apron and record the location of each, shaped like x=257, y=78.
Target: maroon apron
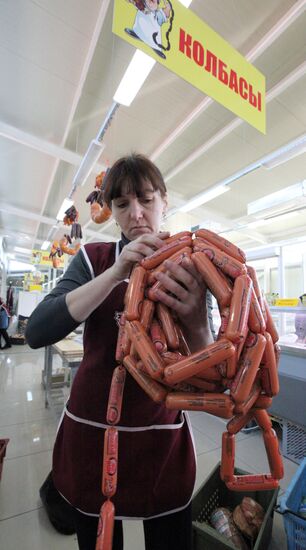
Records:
x=156, y=459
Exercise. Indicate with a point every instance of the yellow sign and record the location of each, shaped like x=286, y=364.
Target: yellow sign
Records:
x=41, y=257
x=182, y=42
x=35, y=287
x=288, y=302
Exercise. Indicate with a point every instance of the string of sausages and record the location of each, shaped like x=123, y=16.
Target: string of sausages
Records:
x=234, y=377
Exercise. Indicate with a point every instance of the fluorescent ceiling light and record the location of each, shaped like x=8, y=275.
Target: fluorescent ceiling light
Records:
x=89, y=160
x=22, y=250
x=133, y=78
x=203, y=197
x=287, y=194
x=286, y=153
x=272, y=219
x=65, y=205
x=45, y=245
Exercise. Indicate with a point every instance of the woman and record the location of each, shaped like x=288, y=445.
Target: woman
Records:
x=156, y=466
x=4, y=323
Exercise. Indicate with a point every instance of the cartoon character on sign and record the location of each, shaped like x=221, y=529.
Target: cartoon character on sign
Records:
x=148, y=22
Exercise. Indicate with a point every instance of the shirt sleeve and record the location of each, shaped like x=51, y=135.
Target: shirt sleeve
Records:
x=51, y=320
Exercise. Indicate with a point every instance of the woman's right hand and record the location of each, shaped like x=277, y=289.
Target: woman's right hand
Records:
x=135, y=251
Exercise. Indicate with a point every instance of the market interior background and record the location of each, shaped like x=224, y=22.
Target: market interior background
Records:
x=61, y=66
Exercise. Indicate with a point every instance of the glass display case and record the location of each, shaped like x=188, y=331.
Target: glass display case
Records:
x=290, y=403
x=291, y=326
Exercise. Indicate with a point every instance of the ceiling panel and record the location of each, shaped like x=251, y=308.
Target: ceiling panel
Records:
x=43, y=47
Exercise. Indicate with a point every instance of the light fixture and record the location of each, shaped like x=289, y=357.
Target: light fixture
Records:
x=65, y=205
x=206, y=196
x=290, y=151
x=261, y=253
x=45, y=245
x=140, y=66
x=291, y=193
x=89, y=160
x=272, y=219
x=22, y=250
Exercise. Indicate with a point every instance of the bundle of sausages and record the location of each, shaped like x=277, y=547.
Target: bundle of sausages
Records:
x=242, y=362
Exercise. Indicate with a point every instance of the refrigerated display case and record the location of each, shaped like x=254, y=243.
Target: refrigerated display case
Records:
x=290, y=403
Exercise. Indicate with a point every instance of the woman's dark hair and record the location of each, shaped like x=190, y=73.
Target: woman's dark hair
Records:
x=128, y=175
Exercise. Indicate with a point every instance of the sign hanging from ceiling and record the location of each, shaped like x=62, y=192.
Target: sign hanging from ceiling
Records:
x=186, y=45
x=40, y=257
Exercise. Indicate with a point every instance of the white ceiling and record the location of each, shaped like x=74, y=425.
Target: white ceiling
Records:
x=60, y=65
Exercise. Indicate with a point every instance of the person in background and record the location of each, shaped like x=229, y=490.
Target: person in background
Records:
x=4, y=323
x=156, y=462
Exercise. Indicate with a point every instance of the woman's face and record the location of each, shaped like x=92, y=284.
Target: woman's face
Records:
x=138, y=215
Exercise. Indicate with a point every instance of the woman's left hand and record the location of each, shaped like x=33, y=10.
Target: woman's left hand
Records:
x=188, y=296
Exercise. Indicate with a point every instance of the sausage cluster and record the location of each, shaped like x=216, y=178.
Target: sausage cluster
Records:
x=235, y=377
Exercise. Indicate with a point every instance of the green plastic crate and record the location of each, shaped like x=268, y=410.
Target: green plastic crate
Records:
x=214, y=493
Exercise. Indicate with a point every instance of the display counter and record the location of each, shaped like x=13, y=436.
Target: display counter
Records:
x=290, y=403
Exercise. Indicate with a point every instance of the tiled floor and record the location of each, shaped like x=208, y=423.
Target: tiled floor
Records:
x=31, y=429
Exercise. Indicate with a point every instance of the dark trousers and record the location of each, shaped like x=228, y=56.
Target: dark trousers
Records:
x=6, y=337
x=171, y=532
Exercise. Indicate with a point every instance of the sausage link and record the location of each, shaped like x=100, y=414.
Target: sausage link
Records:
x=150, y=262
x=214, y=403
x=263, y=419
x=238, y=422
x=135, y=293
x=110, y=462
x=269, y=374
x=106, y=526
x=252, y=273
x=147, y=313
x=123, y=341
x=252, y=482
x=183, y=345
x=271, y=328
x=239, y=309
x=227, y=457
x=273, y=454
x=256, y=318
x=213, y=280
x=213, y=373
x=178, y=236
x=263, y=402
x=164, y=315
x=220, y=259
x=243, y=408
x=248, y=367
x=222, y=243
x=145, y=349
x=177, y=258
x=158, y=337
x=152, y=388
x=171, y=357
x=116, y=395
x=205, y=385
x=199, y=361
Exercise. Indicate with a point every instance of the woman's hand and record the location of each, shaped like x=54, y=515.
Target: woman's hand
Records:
x=187, y=299
x=135, y=251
